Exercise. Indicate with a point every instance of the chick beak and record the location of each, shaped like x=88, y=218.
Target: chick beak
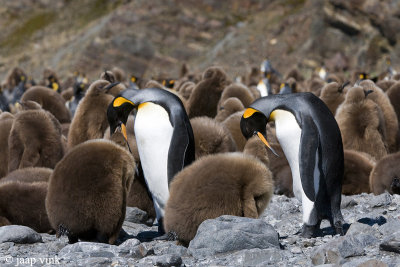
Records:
x=266, y=142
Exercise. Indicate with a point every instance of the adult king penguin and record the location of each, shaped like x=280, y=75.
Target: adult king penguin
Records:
x=164, y=138
x=311, y=141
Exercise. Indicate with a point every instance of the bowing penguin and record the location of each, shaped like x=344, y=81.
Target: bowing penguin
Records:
x=164, y=138
x=311, y=141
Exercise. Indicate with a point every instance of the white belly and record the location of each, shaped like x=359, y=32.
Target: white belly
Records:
x=288, y=134
x=153, y=132
x=262, y=88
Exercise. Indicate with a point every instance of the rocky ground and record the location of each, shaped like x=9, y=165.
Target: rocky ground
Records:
x=373, y=230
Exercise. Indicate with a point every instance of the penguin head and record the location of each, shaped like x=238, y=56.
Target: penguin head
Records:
x=253, y=123
x=169, y=83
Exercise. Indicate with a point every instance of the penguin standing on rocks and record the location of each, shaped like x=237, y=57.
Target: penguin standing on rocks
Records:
x=311, y=141
x=164, y=138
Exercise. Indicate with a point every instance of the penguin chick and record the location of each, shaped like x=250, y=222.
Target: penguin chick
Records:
x=211, y=137
x=389, y=114
x=239, y=91
x=110, y=77
x=186, y=89
x=205, y=96
x=35, y=139
x=228, y=107
x=315, y=86
x=229, y=183
x=385, y=175
x=67, y=94
x=232, y=123
x=385, y=84
x=90, y=120
x=119, y=74
x=28, y=175
x=361, y=124
x=333, y=95
x=6, y=121
x=24, y=204
x=255, y=147
x=87, y=191
x=394, y=95
x=357, y=168
x=50, y=101
x=295, y=73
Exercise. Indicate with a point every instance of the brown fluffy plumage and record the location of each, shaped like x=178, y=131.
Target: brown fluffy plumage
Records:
x=385, y=84
x=315, y=86
x=228, y=107
x=255, y=147
x=90, y=120
x=333, y=95
x=88, y=190
x=232, y=123
x=389, y=114
x=67, y=94
x=239, y=91
x=205, y=96
x=24, y=204
x=383, y=176
x=211, y=137
x=361, y=124
x=49, y=100
x=186, y=89
x=35, y=140
x=394, y=95
x=6, y=121
x=281, y=171
x=28, y=175
x=357, y=168
x=230, y=183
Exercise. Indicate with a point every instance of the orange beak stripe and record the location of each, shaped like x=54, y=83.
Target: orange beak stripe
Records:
x=123, y=129
x=266, y=143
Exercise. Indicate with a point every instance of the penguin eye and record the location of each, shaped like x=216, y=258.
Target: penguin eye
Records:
x=255, y=133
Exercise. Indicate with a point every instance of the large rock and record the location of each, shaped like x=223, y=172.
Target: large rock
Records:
x=391, y=243
x=135, y=215
x=19, y=234
x=392, y=225
x=230, y=233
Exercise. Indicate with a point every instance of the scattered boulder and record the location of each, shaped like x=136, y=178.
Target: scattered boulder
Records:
x=19, y=234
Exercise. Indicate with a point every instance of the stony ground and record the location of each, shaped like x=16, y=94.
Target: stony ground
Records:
x=229, y=241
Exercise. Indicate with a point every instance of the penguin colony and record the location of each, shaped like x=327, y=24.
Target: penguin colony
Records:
x=168, y=146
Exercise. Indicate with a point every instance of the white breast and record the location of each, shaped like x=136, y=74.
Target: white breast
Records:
x=153, y=132
x=262, y=88
x=288, y=134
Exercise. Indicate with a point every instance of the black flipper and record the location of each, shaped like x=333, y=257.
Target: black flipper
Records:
x=309, y=154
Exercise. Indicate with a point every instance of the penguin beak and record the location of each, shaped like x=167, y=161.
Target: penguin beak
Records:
x=108, y=87
x=123, y=129
x=264, y=140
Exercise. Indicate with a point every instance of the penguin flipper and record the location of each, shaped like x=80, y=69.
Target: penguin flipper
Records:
x=309, y=158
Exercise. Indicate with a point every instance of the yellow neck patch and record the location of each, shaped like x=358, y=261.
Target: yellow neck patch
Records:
x=55, y=86
x=249, y=112
x=120, y=100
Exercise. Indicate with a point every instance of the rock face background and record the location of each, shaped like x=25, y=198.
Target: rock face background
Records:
x=147, y=38
x=372, y=239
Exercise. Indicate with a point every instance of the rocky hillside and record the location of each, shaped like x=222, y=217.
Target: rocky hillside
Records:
x=154, y=37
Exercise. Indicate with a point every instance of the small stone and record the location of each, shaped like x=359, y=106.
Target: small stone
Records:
x=392, y=208
x=391, y=243
x=384, y=199
x=170, y=248
x=167, y=260
x=391, y=226
x=296, y=250
x=19, y=234
x=135, y=215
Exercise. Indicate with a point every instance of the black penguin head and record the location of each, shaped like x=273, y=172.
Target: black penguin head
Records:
x=253, y=123
x=169, y=83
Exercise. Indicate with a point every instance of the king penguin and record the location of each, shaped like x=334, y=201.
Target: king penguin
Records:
x=164, y=138
x=311, y=141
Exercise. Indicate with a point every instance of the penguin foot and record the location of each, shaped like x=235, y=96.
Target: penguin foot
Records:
x=170, y=236
x=339, y=228
x=309, y=231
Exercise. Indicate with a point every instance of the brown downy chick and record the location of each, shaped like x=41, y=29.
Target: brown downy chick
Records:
x=228, y=107
x=24, y=204
x=50, y=101
x=205, y=96
x=386, y=175
x=211, y=137
x=357, y=168
x=6, y=122
x=361, y=123
x=110, y=77
x=229, y=183
x=333, y=95
x=35, y=139
x=232, y=123
x=389, y=114
x=88, y=190
x=90, y=120
x=28, y=175
x=239, y=91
